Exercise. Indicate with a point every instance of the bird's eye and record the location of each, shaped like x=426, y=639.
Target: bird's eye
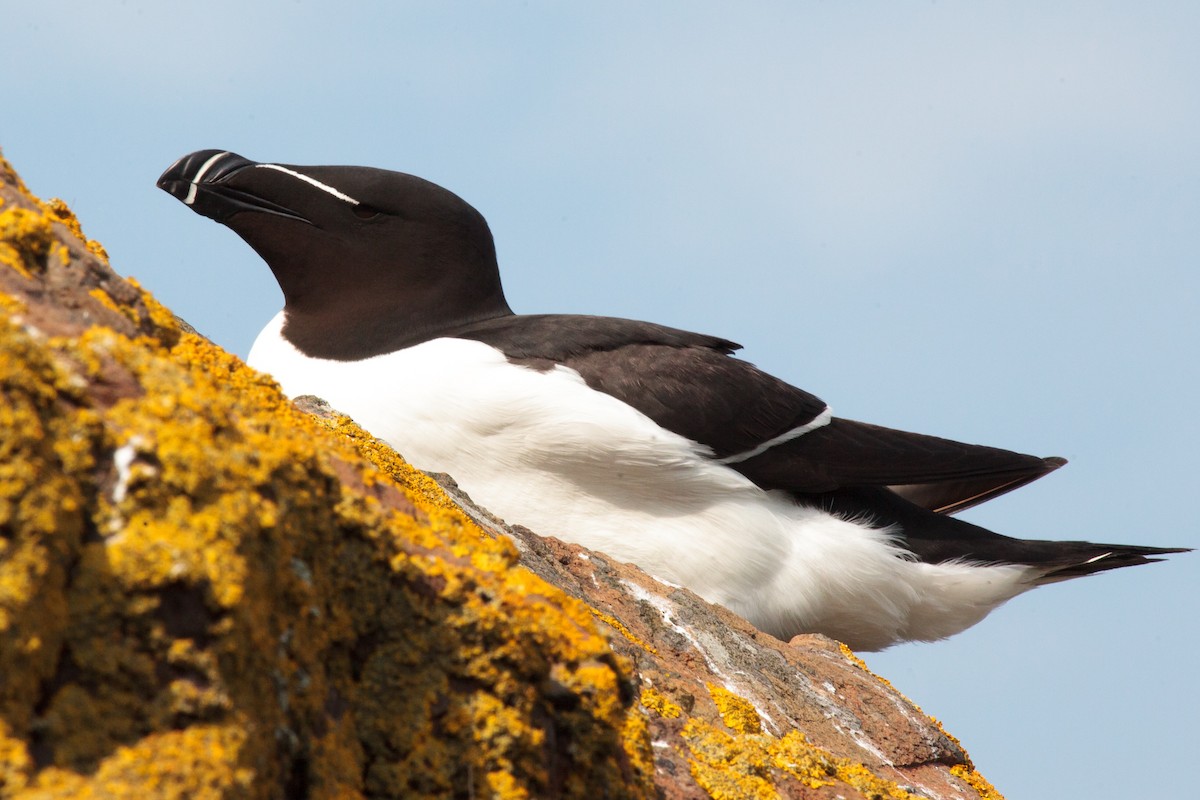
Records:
x=364, y=211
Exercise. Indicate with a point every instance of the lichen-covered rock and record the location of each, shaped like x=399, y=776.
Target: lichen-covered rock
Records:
x=206, y=591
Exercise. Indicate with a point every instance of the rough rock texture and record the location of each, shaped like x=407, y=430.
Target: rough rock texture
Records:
x=206, y=591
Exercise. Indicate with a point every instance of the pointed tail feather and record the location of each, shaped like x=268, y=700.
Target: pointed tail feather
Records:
x=1090, y=559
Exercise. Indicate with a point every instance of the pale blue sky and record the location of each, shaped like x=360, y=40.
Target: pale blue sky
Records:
x=974, y=220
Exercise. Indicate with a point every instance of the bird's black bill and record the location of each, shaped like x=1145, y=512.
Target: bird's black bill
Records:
x=200, y=181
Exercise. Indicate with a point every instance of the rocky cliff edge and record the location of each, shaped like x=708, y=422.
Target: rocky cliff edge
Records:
x=207, y=591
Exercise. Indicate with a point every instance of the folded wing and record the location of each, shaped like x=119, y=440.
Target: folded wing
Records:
x=779, y=436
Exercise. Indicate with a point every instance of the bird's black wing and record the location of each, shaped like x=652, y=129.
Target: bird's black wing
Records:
x=938, y=474
x=689, y=384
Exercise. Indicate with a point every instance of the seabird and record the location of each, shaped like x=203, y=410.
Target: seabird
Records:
x=654, y=445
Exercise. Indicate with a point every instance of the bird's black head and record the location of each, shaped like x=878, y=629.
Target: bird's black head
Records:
x=369, y=260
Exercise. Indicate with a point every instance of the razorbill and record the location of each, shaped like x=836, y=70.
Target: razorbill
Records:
x=648, y=443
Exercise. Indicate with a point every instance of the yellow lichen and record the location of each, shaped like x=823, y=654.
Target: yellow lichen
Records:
x=387, y=460
x=659, y=703
x=638, y=747
x=730, y=767
x=15, y=761
x=620, y=628
x=241, y=565
x=103, y=298
x=736, y=712
x=870, y=784
x=197, y=763
x=52, y=210
x=25, y=240
x=11, y=305
x=755, y=765
x=158, y=314
x=41, y=524
x=62, y=213
x=810, y=765
x=981, y=785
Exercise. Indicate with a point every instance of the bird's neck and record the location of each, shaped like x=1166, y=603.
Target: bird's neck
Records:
x=352, y=328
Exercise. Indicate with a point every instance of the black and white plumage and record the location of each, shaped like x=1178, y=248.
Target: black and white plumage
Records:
x=652, y=444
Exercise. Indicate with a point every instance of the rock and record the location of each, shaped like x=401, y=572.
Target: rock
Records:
x=207, y=591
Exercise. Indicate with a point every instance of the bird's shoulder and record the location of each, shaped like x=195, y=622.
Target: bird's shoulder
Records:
x=560, y=337
x=689, y=383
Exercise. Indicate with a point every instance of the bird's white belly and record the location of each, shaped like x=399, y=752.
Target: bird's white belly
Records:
x=541, y=449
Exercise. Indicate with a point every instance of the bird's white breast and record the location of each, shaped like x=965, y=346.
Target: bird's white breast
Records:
x=541, y=449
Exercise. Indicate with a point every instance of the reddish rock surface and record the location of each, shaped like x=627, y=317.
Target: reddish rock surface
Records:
x=683, y=646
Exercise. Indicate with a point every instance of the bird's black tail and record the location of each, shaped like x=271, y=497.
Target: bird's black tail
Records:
x=1077, y=559
x=937, y=538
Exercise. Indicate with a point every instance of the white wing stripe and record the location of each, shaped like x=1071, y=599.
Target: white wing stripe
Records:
x=820, y=421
